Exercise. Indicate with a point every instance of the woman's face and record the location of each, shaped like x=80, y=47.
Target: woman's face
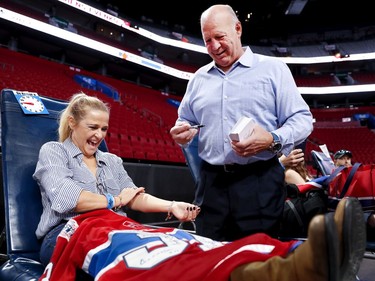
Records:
x=88, y=133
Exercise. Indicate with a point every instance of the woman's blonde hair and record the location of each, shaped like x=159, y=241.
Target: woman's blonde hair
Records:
x=77, y=108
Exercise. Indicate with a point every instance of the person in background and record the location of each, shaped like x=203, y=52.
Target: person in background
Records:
x=240, y=190
x=343, y=157
x=75, y=177
x=294, y=164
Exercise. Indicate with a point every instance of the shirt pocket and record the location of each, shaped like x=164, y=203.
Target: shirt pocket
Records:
x=85, y=182
x=111, y=186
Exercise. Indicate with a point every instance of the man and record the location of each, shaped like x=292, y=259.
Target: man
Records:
x=343, y=157
x=240, y=190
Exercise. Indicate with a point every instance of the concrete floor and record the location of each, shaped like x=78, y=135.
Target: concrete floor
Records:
x=367, y=269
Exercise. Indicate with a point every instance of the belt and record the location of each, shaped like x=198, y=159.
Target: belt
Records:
x=236, y=168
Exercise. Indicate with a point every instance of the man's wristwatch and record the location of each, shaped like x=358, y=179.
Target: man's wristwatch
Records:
x=275, y=146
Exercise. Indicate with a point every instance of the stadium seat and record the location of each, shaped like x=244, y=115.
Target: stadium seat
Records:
x=21, y=138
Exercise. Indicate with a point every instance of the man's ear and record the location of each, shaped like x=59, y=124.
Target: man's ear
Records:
x=238, y=28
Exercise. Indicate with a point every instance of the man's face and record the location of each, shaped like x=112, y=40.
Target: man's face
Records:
x=222, y=37
x=344, y=161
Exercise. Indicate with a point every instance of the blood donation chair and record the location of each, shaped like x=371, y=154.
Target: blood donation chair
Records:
x=22, y=135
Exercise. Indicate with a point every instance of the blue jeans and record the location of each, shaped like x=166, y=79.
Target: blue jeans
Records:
x=49, y=243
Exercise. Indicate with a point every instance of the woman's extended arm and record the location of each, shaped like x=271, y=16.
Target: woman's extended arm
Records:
x=148, y=203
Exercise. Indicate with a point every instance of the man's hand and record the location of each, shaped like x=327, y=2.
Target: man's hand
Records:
x=259, y=140
x=182, y=132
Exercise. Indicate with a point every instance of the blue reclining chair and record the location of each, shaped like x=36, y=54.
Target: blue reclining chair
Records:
x=22, y=135
x=194, y=163
x=323, y=164
x=192, y=158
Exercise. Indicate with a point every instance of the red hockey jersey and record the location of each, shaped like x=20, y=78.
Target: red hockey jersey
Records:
x=111, y=247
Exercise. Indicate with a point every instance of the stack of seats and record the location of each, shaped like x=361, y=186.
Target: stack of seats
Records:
x=139, y=122
x=360, y=141
x=331, y=130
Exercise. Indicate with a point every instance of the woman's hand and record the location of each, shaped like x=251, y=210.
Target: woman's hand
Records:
x=184, y=211
x=128, y=194
x=293, y=159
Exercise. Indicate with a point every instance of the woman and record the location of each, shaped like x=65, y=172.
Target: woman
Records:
x=298, y=174
x=75, y=177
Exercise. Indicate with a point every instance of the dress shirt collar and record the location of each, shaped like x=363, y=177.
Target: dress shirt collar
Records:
x=247, y=60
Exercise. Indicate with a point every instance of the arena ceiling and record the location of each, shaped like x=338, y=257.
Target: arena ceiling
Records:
x=268, y=18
